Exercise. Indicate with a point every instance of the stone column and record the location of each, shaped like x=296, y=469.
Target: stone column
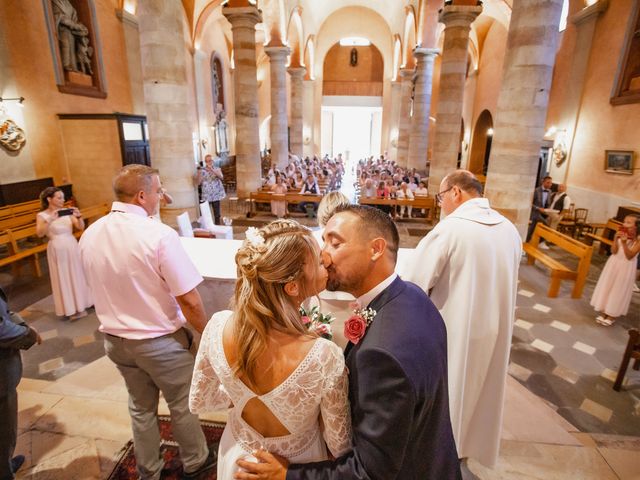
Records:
x=394, y=129
x=168, y=101
x=404, y=125
x=522, y=108
x=419, y=136
x=457, y=20
x=297, y=94
x=243, y=27
x=279, y=123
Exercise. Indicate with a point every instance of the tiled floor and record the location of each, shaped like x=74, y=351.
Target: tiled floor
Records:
x=562, y=418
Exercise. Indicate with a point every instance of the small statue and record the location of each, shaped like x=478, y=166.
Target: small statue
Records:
x=84, y=53
x=70, y=31
x=222, y=141
x=354, y=57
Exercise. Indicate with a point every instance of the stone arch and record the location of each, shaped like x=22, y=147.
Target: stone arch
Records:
x=201, y=21
x=397, y=56
x=481, y=144
x=295, y=38
x=409, y=38
x=309, y=57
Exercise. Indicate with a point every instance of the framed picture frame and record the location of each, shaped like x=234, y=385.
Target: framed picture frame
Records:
x=619, y=161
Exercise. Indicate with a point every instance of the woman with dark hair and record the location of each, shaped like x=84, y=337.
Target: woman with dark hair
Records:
x=71, y=295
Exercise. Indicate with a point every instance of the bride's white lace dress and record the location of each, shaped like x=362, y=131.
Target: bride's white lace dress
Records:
x=312, y=403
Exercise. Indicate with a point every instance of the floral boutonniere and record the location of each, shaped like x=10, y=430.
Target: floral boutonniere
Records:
x=317, y=321
x=356, y=325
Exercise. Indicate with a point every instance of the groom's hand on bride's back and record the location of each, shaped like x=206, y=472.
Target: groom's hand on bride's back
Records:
x=271, y=467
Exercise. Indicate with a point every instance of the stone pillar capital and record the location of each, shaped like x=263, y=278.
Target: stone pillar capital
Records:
x=422, y=53
x=458, y=15
x=591, y=12
x=406, y=74
x=242, y=17
x=277, y=53
x=297, y=72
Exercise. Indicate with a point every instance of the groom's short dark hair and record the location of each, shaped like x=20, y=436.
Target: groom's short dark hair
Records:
x=376, y=223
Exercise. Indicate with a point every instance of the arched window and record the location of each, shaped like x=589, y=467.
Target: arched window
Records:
x=217, y=85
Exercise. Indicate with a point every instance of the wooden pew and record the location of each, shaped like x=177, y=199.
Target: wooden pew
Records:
x=267, y=197
x=419, y=202
x=17, y=251
x=560, y=271
x=17, y=221
x=19, y=209
x=606, y=239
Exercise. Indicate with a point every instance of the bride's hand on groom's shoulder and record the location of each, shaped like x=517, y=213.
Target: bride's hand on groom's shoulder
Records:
x=271, y=467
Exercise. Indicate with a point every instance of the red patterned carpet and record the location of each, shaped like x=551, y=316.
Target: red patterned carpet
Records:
x=125, y=469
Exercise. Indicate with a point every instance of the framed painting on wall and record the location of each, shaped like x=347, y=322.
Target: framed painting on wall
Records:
x=619, y=161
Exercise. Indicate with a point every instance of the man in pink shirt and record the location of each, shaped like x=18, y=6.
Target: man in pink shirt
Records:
x=144, y=287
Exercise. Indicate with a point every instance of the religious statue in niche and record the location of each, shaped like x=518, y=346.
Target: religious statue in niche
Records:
x=12, y=137
x=354, y=57
x=220, y=132
x=73, y=38
x=217, y=87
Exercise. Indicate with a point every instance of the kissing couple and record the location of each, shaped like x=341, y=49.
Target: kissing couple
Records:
x=300, y=407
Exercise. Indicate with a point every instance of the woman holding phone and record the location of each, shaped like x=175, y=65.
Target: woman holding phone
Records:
x=71, y=295
x=612, y=295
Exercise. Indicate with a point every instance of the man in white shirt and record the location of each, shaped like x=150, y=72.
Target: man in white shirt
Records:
x=559, y=202
x=144, y=286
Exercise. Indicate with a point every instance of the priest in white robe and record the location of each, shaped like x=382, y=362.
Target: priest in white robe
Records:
x=468, y=264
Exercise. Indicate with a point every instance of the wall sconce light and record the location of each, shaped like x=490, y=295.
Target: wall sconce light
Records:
x=306, y=140
x=204, y=142
x=490, y=132
x=13, y=99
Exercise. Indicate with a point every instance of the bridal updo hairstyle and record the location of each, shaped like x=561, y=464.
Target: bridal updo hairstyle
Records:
x=261, y=303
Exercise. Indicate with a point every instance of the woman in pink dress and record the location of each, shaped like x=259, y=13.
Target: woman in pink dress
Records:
x=71, y=295
x=279, y=207
x=612, y=295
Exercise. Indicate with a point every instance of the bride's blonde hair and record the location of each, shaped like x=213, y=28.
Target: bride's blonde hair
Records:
x=261, y=303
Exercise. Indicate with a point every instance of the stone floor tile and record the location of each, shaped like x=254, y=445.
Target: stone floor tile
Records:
x=551, y=462
x=577, y=361
x=33, y=385
x=542, y=345
x=108, y=455
x=561, y=326
x=585, y=439
x=95, y=419
x=33, y=405
x=83, y=340
x=583, y=347
x=566, y=374
x=48, y=334
x=597, y=410
x=541, y=308
x=80, y=463
x=525, y=293
x=519, y=372
x=50, y=365
x=625, y=463
x=523, y=324
x=46, y=445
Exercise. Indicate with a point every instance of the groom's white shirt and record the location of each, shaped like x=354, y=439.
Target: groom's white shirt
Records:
x=365, y=299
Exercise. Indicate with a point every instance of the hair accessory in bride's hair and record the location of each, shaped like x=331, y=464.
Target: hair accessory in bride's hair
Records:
x=254, y=237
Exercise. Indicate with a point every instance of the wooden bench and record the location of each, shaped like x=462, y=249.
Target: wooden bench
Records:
x=560, y=271
x=268, y=197
x=418, y=202
x=19, y=208
x=14, y=240
x=606, y=239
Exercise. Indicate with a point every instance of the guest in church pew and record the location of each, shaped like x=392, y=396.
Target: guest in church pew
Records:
x=613, y=292
x=279, y=207
x=71, y=295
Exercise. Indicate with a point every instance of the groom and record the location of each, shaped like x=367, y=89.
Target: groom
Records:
x=397, y=370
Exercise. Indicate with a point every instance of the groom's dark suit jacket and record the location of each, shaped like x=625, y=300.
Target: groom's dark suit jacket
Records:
x=399, y=396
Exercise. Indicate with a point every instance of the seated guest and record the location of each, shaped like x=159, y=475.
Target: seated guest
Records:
x=279, y=207
x=420, y=189
x=382, y=190
x=404, y=193
x=310, y=186
x=369, y=191
x=560, y=202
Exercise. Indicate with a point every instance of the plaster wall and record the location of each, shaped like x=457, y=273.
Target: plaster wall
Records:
x=99, y=141
x=30, y=63
x=602, y=126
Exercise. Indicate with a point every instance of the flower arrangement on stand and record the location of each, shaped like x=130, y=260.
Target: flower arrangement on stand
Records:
x=317, y=321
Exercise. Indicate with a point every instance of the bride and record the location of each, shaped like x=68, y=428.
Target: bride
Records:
x=287, y=387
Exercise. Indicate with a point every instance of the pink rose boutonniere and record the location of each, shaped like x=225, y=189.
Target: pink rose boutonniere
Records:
x=356, y=325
